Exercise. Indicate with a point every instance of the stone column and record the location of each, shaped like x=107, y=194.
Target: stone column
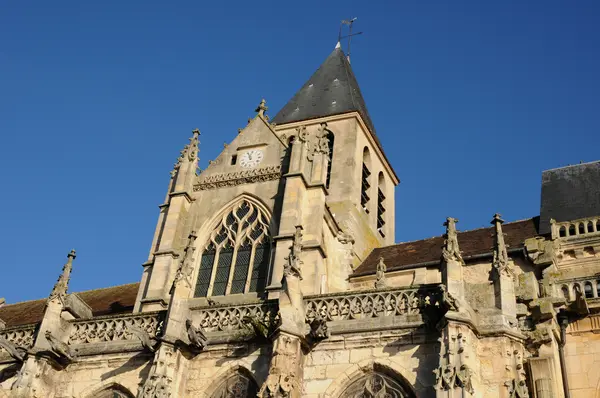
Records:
x=455, y=376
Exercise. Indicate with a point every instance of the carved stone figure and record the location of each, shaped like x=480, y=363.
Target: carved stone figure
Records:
x=463, y=378
x=260, y=328
x=159, y=380
x=145, y=339
x=186, y=267
x=62, y=284
x=500, y=261
x=282, y=381
x=60, y=349
x=449, y=301
x=451, y=250
x=380, y=281
x=17, y=353
x=293, y=262
x=345, y=238
x=517, y=389
x=196, y=336
x=318, y=329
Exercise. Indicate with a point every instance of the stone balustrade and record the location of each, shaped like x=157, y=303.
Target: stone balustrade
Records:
x=115, y=328
x=580, y=227
x=22, y=336
x=232, y=318
x=589, y=287
x=372, y=304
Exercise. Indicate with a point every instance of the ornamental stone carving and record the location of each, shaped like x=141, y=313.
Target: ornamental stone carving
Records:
x=115, y=328
x=500, y=261
x=293, y=262
x=189, y=152
x=283, y=380
x=59, y=292
x=376, y=385
x=451, y=250
x=362, y=305
x=261, y=174
x=186, y=267
x=231, y=318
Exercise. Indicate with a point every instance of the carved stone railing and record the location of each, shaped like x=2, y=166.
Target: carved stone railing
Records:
x=589, y=287
x=372, y=304
x=231, y=318
x=115, y=328
x=20, y=336
x=570, y=229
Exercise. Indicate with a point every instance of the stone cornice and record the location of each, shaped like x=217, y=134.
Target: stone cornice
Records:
x=260, y=174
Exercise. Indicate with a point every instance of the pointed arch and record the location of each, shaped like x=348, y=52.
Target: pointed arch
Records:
x=235, y=249
x=235, y=382
x=110, y=390
x=370, y=379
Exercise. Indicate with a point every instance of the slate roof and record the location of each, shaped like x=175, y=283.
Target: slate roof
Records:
x=429, y=251
x=110, y=300
x=570, y=193
x=331, y=90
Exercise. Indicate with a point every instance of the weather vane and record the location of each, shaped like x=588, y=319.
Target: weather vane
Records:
x=349, y=35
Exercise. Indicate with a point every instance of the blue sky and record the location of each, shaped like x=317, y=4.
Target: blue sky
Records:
x=471, y=101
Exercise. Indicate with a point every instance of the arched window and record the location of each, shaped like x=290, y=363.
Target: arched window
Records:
x=571, y=230
x=376, y=384
x=330, y=145
x=364, y=188
x=562, y=231
x=236, y=256
x=589, y=291
x=565, y=292
x=380, y=204
x=113, y=392
x=581, y=228
x=237, y=385
x=590, y=227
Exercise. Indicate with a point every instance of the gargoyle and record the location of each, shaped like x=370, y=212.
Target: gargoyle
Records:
x=318, y=332
x=260, y=328
x=17, y=353
x=58, y=348
x=147, y=342
x=449, y=301
x=196, y=336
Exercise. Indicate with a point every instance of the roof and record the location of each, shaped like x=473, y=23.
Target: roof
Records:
x=478, y=241
x=331, y=90
x=570, y=193
x=110, y=300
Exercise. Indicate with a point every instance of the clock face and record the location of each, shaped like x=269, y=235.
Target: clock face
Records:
x=251, y=158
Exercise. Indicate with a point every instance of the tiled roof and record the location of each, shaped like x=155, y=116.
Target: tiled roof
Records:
x=110, y=300
x=570, y=193
x=474, y=242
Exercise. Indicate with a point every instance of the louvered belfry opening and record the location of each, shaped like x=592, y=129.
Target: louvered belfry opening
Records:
x=381, y=205
x=330, y=139
x=236, y=256
x=365, y=185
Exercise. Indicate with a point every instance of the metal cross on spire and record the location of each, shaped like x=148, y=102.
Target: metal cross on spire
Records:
x=348, y=23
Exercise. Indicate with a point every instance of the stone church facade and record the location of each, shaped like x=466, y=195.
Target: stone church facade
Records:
x=274, y=272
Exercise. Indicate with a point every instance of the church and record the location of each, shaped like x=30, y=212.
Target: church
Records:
x=274, y=272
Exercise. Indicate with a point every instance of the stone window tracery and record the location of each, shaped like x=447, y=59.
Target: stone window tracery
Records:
x=236, y=256
x=236, y=386
x=376, y=384
x=113, y=393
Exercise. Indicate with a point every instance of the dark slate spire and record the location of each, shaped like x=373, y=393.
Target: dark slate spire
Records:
x=331, y=90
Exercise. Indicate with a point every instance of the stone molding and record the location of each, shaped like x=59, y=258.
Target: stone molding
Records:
x=261, y=174
x=231, y=318
x=22, y=336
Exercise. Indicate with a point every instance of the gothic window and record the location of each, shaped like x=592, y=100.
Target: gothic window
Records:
x=589, y=291
x=236, y=386
x=330, y=145
x=381, y=205
x=364, y=188
x=113, y=392
x=376, y=384
x=236, y=256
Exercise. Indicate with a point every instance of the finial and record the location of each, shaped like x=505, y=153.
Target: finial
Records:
x=451, y=251
x=500, y=261
x=338, y=45
x=196, y=132
x=62, y=284
x=262, y=108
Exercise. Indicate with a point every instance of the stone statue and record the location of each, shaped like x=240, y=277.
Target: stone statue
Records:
x=144, y=337
x=262, y=108
x=500, y=261
x=196, y=336
x=449, y=301
x=58, y=348
x=380, y=281
x=16, y=353
x=451, y=250
x=293, y=262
